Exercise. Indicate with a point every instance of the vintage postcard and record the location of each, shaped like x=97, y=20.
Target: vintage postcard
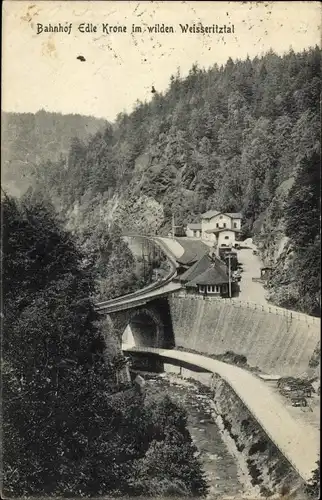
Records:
x=160, y=249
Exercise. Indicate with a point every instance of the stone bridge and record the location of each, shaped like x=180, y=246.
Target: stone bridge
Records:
x=148, y=325
x=275, y=340
x=156, y=319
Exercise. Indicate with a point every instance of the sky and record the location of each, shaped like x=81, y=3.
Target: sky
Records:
x=41, y=71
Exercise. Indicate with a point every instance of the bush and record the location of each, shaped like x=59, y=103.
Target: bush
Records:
x=313, y=486
x=236, y=359
x=170, y=459
x=260, y=446
x=68, y=428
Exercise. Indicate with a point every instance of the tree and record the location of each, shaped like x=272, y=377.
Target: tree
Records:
x=302, y=212
x=224, y=138
x=68, y=428
x=313, y=487
x=170, y=465
x=57, y=374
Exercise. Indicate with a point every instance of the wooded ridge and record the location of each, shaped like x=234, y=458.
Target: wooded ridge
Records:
x=234, y=138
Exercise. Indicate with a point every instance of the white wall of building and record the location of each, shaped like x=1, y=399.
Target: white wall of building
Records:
x=210, y=237
x=193, y=233
x=226, y=238
x=236, y=224
x=220, y=221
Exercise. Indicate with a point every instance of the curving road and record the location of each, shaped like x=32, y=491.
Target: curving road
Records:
x=298, y=441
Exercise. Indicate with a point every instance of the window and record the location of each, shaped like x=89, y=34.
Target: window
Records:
x=220, y=217
x=235, y=225
x=211, y=288
x=226, y=237
x=224, y=224
x=201, y=288
x=217, y=225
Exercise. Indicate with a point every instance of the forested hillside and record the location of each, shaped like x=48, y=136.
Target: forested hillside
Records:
x=29, y=139
x=226, y=137
x=232, y=138
x=70, y=429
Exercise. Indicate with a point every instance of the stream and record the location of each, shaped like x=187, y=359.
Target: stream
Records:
x=225, y=477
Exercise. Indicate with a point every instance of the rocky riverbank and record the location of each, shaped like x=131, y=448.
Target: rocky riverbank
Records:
x=238, y=461
x=226, y=476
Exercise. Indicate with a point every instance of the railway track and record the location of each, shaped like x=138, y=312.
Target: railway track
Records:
x=101, y=306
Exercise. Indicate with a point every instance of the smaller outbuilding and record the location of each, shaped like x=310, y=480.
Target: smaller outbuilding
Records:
x=193, y=230
x=213, y=281
x=209, y=276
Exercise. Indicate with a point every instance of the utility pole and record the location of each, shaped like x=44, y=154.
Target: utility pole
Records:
x=173, y=227
x=229, y=275
x=143, y=259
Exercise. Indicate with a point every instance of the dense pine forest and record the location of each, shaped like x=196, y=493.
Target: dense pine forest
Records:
x=240, y=137
x=72, y=424
x=29, y=139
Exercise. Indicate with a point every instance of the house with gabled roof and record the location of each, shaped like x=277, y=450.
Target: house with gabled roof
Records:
x=193, y=230
x=213, y=281
x=209, y=276
x=197, y=268
x=219, y=228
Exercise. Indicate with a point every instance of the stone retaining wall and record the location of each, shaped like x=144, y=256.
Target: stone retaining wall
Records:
x=273, y=339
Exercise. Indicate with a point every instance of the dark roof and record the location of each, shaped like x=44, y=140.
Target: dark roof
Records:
x=194, y=226
x=229, y=250
x=187, y=259
x=213, y=213
x=203, y=265
x=214, y=275
x=197, y=268
x=193, y=250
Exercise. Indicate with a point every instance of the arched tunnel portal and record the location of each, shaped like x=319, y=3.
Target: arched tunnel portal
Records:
x=149, y=325
x=144, y=329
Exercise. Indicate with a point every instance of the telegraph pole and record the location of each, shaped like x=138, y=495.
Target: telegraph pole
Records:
x=143, y=259
x=229, y=275
x=173, y=227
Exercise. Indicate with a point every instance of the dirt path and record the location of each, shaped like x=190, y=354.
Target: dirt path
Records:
x=297, y=439
x=250, y=291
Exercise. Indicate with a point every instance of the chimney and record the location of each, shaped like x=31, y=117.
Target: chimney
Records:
x=212, y=254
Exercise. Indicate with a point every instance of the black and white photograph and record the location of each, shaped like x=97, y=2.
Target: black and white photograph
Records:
x=160, y=250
